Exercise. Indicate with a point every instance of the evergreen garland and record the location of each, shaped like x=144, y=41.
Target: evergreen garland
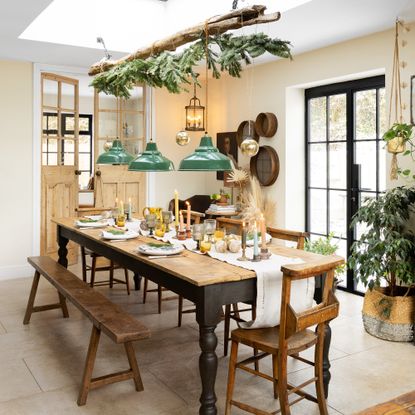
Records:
x=173, y=71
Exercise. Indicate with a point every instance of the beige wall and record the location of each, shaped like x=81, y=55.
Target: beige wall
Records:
x=16, y=186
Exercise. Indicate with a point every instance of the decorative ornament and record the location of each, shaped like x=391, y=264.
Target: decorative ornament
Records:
x=107, y=146
x=249, y=147
x=182, y=138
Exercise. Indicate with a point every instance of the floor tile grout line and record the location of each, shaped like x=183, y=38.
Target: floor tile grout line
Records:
x=28, y=368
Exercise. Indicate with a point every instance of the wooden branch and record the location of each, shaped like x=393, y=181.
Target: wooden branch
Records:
x=216, y=25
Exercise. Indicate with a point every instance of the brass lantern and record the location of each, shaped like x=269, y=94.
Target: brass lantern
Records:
x=195, y=114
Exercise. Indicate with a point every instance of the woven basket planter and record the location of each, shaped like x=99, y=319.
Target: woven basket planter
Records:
x=389, y=318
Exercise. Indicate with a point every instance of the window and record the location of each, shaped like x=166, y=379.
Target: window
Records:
x=50, y=145
x=345, y=161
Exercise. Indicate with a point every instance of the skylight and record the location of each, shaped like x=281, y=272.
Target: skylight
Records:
x=127, y=25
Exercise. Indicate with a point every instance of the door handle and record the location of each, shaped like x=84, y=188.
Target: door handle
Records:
x=78, y=172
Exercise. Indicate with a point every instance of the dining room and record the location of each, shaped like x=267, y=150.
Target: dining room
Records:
x=213, y=207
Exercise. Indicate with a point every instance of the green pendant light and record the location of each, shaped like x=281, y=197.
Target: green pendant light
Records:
x=206, y=158
x=151, y=159
x=115, y=155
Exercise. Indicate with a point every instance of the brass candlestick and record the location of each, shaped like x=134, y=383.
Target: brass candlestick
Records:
x=243, y=257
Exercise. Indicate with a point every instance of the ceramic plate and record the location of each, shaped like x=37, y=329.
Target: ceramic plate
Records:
x=160, y=248
x=94, y=224
x=126, y=235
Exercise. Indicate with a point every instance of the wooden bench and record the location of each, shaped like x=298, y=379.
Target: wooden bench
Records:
x=106, y=316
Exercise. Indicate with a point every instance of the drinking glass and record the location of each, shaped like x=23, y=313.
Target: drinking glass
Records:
x=160, y=229
x=167, y=216
x=210, y=227
x=151, y=222
x=198, y=233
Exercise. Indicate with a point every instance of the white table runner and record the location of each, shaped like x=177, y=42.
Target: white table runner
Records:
x=269, y=287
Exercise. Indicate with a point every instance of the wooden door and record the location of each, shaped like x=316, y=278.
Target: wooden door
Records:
x=123, y=119
x=59, y=178
x=117, y=182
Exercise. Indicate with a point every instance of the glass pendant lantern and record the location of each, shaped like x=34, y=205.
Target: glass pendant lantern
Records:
x=195, y=114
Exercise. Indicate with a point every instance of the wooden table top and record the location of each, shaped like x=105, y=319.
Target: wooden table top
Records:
x=199, y=269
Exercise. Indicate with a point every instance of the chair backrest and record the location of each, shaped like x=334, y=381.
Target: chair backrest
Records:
x=195, y=217
x=287, y=235
x=292, y=322
x=235, y=226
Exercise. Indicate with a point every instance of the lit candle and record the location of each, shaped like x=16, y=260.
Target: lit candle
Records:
x=181, y=227
x=256, y=253
x=121, y=208
x=176, y=207
x=130, y=209
x=263, y=233
x=188, y=216
x=243, y=235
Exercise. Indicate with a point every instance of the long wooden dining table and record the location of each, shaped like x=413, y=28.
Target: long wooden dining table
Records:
x=205, y=281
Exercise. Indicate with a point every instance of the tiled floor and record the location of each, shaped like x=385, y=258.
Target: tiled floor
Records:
x=41, y=364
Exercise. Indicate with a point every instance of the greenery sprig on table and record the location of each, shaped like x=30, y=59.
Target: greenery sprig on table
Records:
x=174, y=70
x=386, y=249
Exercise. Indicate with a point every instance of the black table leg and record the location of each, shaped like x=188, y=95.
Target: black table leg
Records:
x=137, y=281
x=208, y=312
x=62, y=251
x=208, y=366
x=326, y=360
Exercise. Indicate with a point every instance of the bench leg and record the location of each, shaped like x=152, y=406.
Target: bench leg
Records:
x=129, y=348
x=31, y=301
x=89, y=366
x=62, y=301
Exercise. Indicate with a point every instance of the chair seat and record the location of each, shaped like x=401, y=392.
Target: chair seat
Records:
x=267, y=339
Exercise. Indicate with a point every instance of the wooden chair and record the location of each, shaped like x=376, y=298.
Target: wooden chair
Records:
x=287, y=340
x=100, y=264
x=232, y=311
x=195, y=217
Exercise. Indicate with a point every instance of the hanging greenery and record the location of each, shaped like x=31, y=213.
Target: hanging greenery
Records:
x=174, y=71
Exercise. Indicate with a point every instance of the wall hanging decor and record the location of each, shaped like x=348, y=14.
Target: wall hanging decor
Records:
x=265, y=166
x=266, y=124
x=227, y=145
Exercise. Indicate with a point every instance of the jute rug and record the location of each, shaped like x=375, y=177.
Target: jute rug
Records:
x=402, y=405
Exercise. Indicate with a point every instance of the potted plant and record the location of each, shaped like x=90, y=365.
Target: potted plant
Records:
x=397, y=136
x=326, y=246
x=383, y=260
x=222, y=198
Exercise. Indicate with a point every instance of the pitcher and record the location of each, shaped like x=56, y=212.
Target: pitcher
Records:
x=153, y=211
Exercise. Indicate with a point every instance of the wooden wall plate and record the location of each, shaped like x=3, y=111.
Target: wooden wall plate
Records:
x=243, y=131
x=266, y=124
x=265, y=166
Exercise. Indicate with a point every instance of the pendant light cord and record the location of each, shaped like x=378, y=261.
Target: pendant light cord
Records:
x=151, y=114
x=207, y=71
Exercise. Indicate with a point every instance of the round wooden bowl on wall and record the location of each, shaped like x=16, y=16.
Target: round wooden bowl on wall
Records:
x=246, y=127
x=266, y=124
x=265, y=166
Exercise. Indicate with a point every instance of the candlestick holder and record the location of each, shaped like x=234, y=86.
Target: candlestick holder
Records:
x=181, y=235
x=243, y=257
x=256, y=258
x=265, y=254
x=188, y=233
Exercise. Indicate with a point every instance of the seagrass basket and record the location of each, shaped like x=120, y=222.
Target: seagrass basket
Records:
x=389, y=318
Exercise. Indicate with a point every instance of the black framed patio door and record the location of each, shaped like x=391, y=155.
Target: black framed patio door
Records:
x=345, y=158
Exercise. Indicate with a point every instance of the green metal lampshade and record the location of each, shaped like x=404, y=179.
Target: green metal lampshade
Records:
x=115, y=155
x=206, y=158
x=151, y=160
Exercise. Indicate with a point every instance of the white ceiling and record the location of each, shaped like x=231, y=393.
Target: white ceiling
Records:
x=309, y=26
